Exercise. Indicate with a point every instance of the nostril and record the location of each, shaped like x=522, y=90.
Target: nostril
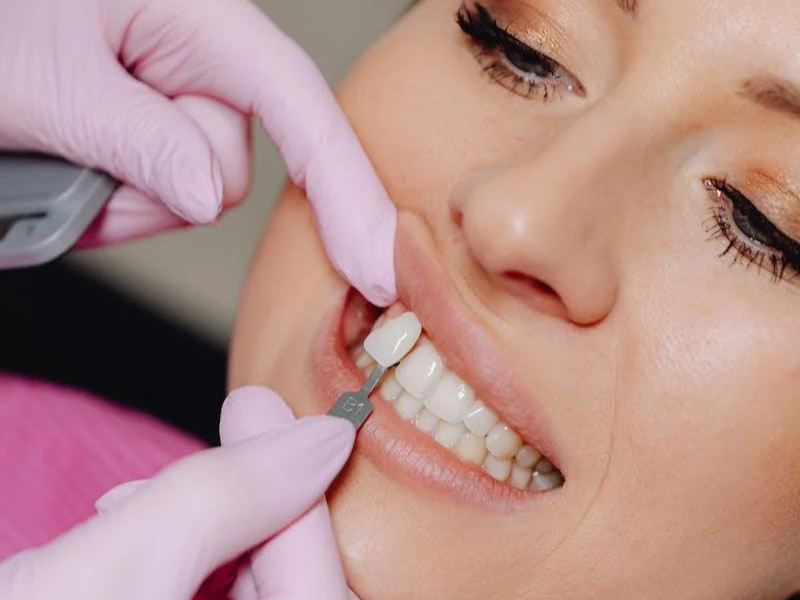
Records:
x=534, y=292
x=535, y=284
x=456, y=215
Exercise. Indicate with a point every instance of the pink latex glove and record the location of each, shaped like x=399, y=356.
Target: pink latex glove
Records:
x=157, y=93
x=160, y=539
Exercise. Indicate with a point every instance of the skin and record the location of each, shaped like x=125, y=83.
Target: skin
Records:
x=680, y=433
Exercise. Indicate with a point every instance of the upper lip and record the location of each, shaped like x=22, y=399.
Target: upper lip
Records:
x=468, y=350
x=466, y=346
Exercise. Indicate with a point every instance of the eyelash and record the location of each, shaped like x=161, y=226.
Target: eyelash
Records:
x=502, y=56
x=510, y=62
x=754, y=239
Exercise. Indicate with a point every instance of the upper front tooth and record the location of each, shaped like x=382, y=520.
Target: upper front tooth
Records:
x=420, y=370
x=450, y=399
x=390, y=342
x=502, y=441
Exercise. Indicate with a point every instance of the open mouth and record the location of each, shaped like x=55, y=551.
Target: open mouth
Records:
x=426, y=392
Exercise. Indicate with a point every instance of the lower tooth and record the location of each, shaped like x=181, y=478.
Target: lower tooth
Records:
x=364, y=361
x=480, y=419
x=448, y=434
x=499, y=468
x=408, y=405
x=390, y=388
x=543, y=482
x=520, y=476
x=471, y=448
x=427, y=421
x=502, y=441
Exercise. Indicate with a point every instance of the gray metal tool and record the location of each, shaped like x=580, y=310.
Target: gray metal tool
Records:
x=356, y=406
x=46, y=204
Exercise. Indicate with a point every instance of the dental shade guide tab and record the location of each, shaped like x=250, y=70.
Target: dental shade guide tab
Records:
x=356, y=406
x=388, y=345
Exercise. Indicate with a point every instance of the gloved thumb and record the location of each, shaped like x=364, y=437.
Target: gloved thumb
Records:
x=202, y=512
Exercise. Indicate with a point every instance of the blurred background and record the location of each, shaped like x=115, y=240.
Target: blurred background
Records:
x=147, y=324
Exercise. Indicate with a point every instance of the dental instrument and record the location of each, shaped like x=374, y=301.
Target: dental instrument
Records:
x=46, y=205
x=356, y=407
x=387, y=345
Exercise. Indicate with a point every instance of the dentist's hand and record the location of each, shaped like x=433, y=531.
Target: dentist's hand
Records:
x=157, y=93
x=161, y=538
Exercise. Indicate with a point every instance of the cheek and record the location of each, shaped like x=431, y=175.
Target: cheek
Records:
x=439, y=118
x=708, y=408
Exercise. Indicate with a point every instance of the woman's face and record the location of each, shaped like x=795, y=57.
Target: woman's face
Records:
x=598, y=214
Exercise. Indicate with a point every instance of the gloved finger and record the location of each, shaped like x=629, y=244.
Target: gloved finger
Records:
x=117, y=495
x=131, y=214
x=122, y=126
x=244, y=588
x=278, y=570
x=251, y=411
x=205, y=510
x=266, y=74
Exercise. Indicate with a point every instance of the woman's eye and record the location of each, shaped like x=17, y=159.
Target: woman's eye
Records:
x=512, y=63
x=749, y=233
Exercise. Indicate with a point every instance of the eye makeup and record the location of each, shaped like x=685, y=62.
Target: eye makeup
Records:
x=749, y=233
x=516, y=65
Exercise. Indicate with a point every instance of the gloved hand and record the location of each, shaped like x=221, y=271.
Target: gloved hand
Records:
x=156, y=92
x=161, y=538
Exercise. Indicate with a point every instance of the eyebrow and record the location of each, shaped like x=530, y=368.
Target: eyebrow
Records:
x=775, y=94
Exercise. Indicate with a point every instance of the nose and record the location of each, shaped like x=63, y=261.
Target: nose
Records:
x=544, y=227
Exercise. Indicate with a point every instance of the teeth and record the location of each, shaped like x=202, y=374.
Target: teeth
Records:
x=427, y=421
x=391, y=388
x=543, y=482
x=502, y=441
x=480, y=419
x=420, y=370
x=408, y=405
x=472, y=448
x=390, y=342
x=520, y=476
x=527, y=457
x=443, y=406
x=545, y=467
x=450, y=399
x=499, y=468
x=448, y=434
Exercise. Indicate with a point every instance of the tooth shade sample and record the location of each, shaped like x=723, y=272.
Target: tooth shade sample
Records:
x=499, y=468
x=448, y=434
x=520, y=476
x=471, y=448
x=502, y=441
x=408, y=405
x=419, y=371
x=543, y=482
x=450, y=399
x=390, y=388
x=390, y=342
x=480, y=419
x=427, y=421
x=527, y=457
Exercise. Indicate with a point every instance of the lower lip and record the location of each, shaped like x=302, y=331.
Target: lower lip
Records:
x=396, y=446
